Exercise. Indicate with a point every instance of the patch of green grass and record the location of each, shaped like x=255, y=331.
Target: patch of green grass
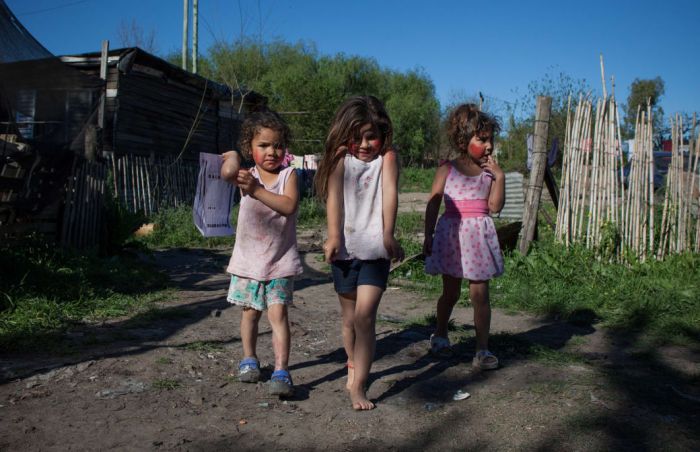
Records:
x=167, y=384
x=548, y=355
x=204, y=346
x=546, y=388
x=163, y=360
x=44, y=291
x=416, y=180
x=658, y=300
x=576, y=341
x=425, y=321
x=311, y=213
x=174, y=228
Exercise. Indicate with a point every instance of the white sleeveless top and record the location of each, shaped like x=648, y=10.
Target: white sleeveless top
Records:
x=266, y=241
x=363, y=225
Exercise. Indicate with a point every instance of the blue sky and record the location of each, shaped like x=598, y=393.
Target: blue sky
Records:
x=495, y=47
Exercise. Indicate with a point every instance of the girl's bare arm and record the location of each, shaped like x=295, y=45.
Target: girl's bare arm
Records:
x=334, y=212
x=432, y=209
x=284, y=204
x=230, y=166
x=497, y=196
x=390, y=203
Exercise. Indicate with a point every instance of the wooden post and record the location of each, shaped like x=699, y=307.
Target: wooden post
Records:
x=539, y=164
x=185, y=16
x=103, y=76
x=195, y=20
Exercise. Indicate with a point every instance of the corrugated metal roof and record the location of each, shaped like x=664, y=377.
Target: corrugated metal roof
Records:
x=16, y=43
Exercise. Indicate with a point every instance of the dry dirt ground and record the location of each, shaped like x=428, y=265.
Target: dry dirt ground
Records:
x=167, y=382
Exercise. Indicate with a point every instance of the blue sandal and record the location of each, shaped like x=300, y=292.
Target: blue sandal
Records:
x=249, y=370
x=281, y=383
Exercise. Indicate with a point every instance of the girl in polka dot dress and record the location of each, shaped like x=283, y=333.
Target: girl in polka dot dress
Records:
x=464, y=244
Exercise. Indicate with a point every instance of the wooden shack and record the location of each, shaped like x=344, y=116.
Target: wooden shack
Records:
x=137, y=135
x=154, y=108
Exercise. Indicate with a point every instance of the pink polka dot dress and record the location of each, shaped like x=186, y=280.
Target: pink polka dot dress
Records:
x=465, y=244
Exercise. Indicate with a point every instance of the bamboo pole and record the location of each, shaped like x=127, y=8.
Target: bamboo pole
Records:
x=564, y=190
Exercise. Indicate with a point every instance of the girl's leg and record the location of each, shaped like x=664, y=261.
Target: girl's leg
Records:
x=249, y=331
x=479, y=295
x=450, y=295
x=347, y=309
x=368, y=298
x=278, y=318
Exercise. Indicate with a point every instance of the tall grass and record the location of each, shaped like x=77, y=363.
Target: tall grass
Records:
x=659, y=298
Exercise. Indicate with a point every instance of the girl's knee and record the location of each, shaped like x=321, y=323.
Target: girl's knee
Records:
x=277, y=313
x=449, y=297
x=251, y=314
x=363, y=321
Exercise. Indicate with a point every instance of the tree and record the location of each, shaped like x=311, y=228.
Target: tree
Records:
x=521, y=116
x=641, y=92
x=133, y=35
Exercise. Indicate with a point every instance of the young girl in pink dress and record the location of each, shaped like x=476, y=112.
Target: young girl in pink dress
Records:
x=464, y=244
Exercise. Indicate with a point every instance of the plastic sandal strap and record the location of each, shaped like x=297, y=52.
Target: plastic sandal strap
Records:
x=248, y=362
x=281, y=375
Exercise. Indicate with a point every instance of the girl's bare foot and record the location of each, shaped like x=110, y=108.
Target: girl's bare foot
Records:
x=359, y=399
x=351, y=375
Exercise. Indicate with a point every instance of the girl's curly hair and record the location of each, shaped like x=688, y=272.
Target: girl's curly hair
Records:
x=263, y=119
x=467, y=120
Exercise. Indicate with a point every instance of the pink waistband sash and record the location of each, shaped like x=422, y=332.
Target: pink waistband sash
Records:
x=469, y=208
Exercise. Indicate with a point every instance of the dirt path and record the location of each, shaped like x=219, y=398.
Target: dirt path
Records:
x=164, y=382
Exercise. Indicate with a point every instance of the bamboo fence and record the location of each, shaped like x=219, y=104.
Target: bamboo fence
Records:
x=149, y=184
x=596, y=208
x=140, y=184
x=83, y=214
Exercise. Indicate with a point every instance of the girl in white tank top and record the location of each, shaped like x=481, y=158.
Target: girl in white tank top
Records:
x=358, y=180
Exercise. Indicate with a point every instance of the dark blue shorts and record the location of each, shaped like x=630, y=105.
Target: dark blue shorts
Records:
x=347, y=275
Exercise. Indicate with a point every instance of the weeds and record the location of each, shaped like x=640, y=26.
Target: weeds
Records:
x=311, y=213
x=416, y=180
x=658, y=297
x=551, y=356
x=174, y=228
x=46, y=290
x=204, y=346
x=166, y=384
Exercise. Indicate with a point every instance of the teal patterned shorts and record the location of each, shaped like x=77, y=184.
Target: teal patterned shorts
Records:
x=259, y=295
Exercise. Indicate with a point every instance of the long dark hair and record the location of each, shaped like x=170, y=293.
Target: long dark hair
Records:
x=352, y=114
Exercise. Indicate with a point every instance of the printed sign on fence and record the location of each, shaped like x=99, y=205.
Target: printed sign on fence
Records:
x=212, y=202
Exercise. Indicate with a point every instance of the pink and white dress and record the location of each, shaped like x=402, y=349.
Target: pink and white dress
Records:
x=465, y=244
